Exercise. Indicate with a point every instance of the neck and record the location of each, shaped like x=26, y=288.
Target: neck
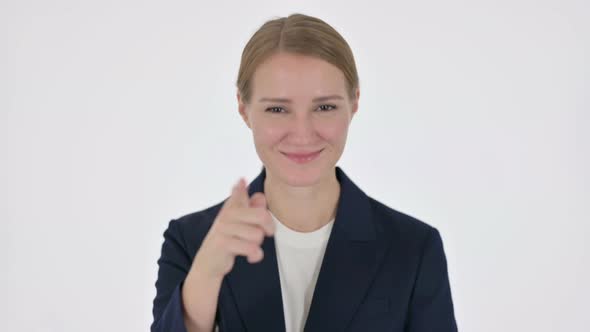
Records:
x=303, y=209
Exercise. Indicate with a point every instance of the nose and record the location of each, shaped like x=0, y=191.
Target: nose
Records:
x=302, y=129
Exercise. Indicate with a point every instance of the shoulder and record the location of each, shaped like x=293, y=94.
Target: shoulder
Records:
x=402, y=228
x=198, y=219
x=190, y=229
x=412, y=244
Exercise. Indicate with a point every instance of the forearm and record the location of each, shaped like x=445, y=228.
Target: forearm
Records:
x=199, y=297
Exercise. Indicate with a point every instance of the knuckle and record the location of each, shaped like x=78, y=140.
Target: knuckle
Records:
x=253, y=250
x=269, y=224
x=263, y=214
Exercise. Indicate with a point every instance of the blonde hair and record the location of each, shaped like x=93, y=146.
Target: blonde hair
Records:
x=298, y=34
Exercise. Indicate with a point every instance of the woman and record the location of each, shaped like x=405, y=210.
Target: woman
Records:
x=301, y=247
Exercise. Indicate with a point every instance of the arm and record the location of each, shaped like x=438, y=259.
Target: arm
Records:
x=431, y=304
x=173, y=309
x=199, y=311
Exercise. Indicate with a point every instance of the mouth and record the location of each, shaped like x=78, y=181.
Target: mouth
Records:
x=302, y=157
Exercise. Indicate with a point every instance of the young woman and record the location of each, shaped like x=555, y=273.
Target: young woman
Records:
x=301, y=247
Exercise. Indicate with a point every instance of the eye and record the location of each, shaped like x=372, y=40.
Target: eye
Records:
x=330, y=107
x=273, y=109
x=322, y=108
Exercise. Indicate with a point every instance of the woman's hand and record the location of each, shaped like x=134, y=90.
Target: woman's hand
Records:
x=239, y=229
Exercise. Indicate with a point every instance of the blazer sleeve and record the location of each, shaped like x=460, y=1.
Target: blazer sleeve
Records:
x=431, y=304
x=173, y=266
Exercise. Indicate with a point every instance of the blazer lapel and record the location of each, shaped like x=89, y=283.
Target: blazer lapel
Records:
x=350, y=262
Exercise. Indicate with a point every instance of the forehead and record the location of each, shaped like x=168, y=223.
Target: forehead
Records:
x=293, y=75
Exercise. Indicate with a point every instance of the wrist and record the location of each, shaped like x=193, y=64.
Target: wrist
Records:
x=203, y=277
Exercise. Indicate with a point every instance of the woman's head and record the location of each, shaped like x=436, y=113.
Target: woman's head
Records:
x=287, y=67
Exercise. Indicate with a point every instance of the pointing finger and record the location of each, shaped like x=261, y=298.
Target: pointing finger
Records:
x=237, y=198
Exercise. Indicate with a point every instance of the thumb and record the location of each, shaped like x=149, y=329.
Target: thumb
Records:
x=258, y=200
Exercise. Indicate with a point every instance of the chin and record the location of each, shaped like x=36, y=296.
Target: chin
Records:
x=300, y=179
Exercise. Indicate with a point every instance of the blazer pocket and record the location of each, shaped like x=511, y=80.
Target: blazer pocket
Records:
x=374, y=306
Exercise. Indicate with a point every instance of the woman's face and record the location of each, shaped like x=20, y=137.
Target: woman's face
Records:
x=299, y=105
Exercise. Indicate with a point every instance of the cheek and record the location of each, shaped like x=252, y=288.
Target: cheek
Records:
x=335, y=130
x=265, y=134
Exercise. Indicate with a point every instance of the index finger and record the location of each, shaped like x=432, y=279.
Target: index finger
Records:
x=239, y=195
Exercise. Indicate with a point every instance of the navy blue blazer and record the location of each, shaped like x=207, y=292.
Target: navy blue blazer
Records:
x=382, y=271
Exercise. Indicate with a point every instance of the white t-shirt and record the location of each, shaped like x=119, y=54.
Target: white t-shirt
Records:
x=299, y=257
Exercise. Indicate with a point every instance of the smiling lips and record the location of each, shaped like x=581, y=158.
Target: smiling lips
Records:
x=302, y=158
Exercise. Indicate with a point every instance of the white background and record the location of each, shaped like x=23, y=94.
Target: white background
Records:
x=117, y=116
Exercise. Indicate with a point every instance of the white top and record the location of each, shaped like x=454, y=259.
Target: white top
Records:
x=299, y=257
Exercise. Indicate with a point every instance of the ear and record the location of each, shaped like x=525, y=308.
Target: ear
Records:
x=355, y=104
x=242, y=109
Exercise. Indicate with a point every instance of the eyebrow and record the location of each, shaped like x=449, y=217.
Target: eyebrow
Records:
x=286, y=100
